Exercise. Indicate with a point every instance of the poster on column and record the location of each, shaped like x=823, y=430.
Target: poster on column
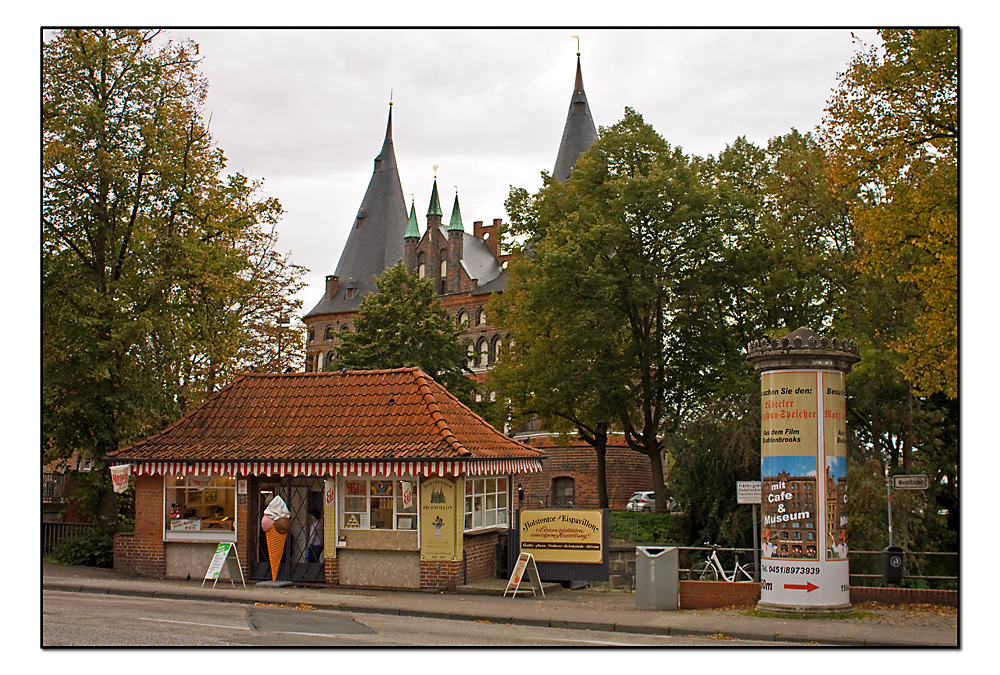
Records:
x=794, y=488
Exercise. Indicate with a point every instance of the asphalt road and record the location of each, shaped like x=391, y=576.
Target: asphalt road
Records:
x=87, y=620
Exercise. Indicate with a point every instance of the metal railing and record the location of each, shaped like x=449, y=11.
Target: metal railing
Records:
x=690, y=561
x=53, y=533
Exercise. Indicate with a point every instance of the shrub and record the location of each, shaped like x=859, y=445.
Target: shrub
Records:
x=94, y=548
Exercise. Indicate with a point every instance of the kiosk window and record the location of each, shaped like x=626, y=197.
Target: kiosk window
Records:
x=379, y=504
x=485, y=502
x=199, y=507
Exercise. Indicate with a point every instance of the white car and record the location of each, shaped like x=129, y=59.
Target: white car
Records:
x=641, y=501
x=646, y=501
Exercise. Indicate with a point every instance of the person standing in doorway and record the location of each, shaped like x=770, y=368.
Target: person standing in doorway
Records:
x=315, y=551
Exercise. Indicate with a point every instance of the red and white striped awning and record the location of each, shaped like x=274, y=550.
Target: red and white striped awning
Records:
x=360, y=468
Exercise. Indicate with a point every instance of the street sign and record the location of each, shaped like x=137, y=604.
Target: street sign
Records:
x=748, y=492
x=914, y=482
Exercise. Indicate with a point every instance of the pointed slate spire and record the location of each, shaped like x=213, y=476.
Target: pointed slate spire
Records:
x=376, y=238
x=456, y=217
x=412, y=229
x=578, y=133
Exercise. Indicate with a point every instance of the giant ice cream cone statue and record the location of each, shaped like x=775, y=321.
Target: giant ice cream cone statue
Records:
x=275, y=523
x=275, y=549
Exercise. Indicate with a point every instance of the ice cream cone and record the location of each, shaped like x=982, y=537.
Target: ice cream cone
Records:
x=275, y=549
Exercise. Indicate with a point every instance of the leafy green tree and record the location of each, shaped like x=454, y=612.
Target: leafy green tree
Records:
x=402, y=326
x=547, y=335
x=610, y=275
x=151, y=259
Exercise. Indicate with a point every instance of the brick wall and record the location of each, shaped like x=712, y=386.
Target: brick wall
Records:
x=142, y=551
x=443, y=575
x=331, y=570
x=480, y=556
x=713, y=594
x=627, y=472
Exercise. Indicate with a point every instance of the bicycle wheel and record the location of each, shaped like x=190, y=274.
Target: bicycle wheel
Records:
x=746, y=572
x=706, y=572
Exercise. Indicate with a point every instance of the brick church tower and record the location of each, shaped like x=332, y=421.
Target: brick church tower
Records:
x=467, y=269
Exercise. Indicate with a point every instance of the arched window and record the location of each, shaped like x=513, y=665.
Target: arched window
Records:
x=463, y=320
x=328, y=333
x=484, y=352
x=481, y=317
x=311, y=335
x=471, y=351
x=331, y=356
x=495, y=350
x=421, y=265
x=563, y=489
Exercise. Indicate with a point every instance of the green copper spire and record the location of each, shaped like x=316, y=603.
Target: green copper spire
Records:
x=434, y=209
x=411, y=228
x=456, y=217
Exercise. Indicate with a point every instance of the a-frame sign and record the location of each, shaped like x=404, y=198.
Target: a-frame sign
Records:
x=221, y=558
x=525, y=567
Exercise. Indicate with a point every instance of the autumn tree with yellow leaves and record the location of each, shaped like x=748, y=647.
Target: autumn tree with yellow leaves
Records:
x=891, y=134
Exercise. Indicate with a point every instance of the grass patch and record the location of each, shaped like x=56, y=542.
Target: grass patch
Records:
x=853, y=614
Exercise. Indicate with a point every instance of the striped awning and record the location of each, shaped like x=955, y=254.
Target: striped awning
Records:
x=461, y=467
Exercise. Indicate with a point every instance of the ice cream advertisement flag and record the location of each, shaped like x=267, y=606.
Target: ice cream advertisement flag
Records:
x=119, y=477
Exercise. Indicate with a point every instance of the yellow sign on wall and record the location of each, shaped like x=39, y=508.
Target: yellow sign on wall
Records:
x=570, y=536
x=440, y=536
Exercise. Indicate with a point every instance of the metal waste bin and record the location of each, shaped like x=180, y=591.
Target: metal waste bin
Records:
x=656, y=577
x=892, y=565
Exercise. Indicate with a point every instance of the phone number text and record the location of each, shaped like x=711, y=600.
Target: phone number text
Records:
x=780, y=569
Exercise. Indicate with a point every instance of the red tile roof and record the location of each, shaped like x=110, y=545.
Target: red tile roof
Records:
x=374, y=414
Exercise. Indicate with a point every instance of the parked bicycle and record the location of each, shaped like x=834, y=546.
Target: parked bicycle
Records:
x=712, y=570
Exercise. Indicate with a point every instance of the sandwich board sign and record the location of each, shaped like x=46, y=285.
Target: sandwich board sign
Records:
x=220, y=559
x=525, y=566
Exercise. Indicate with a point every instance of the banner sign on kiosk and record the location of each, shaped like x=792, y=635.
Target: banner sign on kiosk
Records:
x=525, y=566
x=570, y=536
x=221, y=558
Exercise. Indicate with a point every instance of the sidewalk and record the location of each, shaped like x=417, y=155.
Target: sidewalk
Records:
x=587, y=609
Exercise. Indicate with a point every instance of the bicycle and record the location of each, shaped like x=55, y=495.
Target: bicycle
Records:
x=712, y=569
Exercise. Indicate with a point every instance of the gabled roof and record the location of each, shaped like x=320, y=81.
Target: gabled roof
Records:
x=578, y=133
x=376, y=239
x=348, y=415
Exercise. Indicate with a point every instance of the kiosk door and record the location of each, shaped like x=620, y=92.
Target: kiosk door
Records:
x=302, y=496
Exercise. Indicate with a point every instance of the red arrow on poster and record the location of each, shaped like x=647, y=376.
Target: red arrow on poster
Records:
x=808, y=587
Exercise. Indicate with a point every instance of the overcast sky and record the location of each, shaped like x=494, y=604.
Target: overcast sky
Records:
x=306, y=109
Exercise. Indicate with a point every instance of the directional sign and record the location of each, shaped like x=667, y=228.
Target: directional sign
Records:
x=808, y=587
x=915, y=482
x=748, y=492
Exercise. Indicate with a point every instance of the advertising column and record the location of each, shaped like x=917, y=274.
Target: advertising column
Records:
x=803, y=472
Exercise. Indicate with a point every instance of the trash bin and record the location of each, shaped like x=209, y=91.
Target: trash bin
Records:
x=892, y=565
x=656, y=577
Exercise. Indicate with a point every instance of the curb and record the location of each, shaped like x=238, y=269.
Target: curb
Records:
x=242, y=598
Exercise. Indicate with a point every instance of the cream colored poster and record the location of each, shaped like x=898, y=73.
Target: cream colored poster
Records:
x=802, y=458
x=440, y=536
